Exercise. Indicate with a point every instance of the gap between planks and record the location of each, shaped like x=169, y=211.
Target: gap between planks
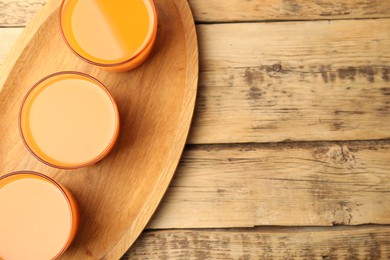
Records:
x=284, y=21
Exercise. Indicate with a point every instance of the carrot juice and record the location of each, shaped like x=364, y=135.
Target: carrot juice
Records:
x=115, y=34
x=39, y=218
x=69, y=120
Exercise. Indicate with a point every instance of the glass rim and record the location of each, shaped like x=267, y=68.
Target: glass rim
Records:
x=91, y=161
x=70, y=201
x=146, y=43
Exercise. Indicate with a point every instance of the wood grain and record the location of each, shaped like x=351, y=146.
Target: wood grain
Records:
x=19, y=12
x=266, y=10
x=297, y=184
x=366, y=242
x=118, y=195
x=267, y=82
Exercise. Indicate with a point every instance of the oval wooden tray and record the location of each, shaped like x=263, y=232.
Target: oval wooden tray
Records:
x=118, y=195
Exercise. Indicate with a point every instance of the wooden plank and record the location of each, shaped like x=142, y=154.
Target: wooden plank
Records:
x=19, y=12
x=367, y=242
x=291, y=184
x=264, y=10
x=293, y=81
x=290, y=81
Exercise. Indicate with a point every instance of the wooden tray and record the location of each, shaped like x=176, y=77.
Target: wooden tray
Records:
x=118, y=195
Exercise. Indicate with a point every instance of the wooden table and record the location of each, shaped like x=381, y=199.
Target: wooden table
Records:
x=289, y=152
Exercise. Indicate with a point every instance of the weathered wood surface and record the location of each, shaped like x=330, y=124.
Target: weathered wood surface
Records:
x=366, y=242
x=266, y=82
x=263, y=10
x=297, y=184
x=19, y=12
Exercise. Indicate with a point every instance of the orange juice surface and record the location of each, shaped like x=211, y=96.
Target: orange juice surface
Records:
x=35, y=219
x=68, y=120
x=108, y=31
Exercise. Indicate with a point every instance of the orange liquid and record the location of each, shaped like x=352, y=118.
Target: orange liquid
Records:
x=108, y=31
x=36, y=220
x=69, y=120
